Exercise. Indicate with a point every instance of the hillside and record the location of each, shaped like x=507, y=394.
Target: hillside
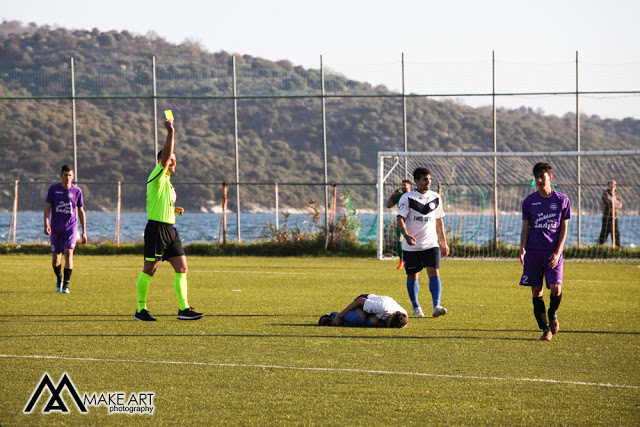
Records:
x=280, y=138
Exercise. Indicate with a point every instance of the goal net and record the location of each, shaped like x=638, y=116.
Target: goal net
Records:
x=482, y=194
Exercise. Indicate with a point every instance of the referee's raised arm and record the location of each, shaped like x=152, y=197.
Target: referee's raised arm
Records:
x=169, y=144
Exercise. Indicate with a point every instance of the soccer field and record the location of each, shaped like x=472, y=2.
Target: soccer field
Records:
x=258, y=358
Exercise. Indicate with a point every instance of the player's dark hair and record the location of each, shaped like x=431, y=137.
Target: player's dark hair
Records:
x=542, y=167
x=398, y=320
x=420, y=172
x=406, y=181
x=159, y=155
x=66, y=168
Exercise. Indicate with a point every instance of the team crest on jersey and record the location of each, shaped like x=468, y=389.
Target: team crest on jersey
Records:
x=553, y=206
x=70, y=195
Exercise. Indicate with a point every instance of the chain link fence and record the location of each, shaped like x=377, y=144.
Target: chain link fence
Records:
x=116, y=211
x=233, y=95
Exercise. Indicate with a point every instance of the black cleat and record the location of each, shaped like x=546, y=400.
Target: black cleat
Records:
x=189, y=314
x=144, y=316
x=326, y=319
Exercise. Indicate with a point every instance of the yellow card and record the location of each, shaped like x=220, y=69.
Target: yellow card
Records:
x=168, y=114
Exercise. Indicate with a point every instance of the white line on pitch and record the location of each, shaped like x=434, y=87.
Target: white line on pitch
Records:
x=302, y=368
x=190, y=270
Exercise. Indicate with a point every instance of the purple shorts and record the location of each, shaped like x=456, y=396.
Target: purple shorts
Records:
x=536, y=267
x=63, y=240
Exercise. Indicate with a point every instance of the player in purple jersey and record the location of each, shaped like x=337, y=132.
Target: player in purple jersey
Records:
x=62, y=201
x=545, y=219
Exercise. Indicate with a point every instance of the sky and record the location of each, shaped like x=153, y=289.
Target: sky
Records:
x=448, y=46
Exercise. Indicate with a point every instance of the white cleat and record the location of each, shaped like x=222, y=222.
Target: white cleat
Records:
x=417, y=312
x=439, y=311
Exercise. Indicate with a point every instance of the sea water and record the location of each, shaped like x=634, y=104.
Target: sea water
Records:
x=206, y=227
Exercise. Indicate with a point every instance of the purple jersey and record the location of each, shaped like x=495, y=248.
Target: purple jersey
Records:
x=63, y=207
x=544, y=215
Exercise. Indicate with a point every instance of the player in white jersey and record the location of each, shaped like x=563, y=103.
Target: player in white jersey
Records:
x=419, y=219
x=368, y=310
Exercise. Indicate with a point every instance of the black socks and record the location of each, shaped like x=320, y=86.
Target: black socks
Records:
x=540, y=313
x=58, y=270
x=67, y=277
x=554, y=304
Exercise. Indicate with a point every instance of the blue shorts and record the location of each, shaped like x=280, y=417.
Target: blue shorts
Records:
x=415, y=261
x=536, y=268
x=65, y=239
x=353, y=319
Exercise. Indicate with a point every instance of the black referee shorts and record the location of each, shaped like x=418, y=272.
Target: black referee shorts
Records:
x=415, y=261
x=161, y=241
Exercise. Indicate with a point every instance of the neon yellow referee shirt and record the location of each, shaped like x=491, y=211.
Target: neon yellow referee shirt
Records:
x=161, y=197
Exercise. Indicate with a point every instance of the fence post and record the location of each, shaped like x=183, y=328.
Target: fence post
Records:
x=155, y=110
x=14, y=215
x=404, y=121
x=379, y=197
x=333, y=207
x=15, y=212
x=324, y=139
x=579, y=158
x=495, y=158
x=277, y=210
x=73, y=116
x=613, y=218
x=235, y=126
x=118, y=213
x=223, y=224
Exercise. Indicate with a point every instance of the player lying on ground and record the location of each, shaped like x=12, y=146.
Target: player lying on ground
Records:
x=368, y=310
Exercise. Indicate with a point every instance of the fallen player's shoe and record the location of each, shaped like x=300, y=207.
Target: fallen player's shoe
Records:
x=326, y=319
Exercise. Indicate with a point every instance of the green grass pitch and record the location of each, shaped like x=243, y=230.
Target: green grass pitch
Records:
x=258, y=358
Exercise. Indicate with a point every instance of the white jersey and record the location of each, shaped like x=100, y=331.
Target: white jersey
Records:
x=420, y=212
x=381, y=306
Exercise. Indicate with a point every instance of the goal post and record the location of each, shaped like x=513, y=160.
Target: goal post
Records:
x=482, y=194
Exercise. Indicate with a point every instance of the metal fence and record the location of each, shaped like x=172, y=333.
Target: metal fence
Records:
x=116, y=210
x=567, y=87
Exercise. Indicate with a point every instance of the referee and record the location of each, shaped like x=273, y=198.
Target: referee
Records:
x=161, y=240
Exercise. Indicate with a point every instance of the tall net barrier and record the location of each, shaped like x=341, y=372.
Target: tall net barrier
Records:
x=482, y=195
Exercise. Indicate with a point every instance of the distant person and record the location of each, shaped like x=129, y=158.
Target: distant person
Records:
x=368, y=310
x=62, y=201
x=545, y=221
x=161, y=239
x=419, y=219
x=610, y=201
x=405, y=187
